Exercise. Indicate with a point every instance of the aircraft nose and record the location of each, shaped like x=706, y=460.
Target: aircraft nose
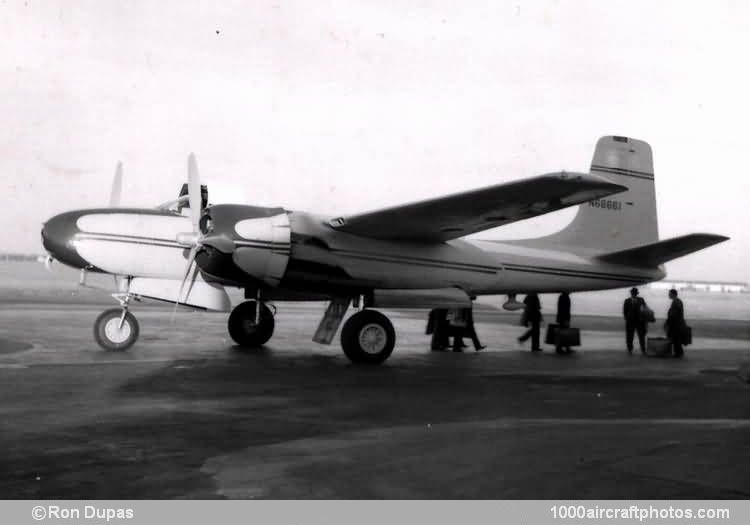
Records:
x=57, y=238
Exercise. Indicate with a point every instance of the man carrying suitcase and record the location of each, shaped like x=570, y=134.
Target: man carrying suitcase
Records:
x=563, y=320
x=532, y=315
x=675, y=325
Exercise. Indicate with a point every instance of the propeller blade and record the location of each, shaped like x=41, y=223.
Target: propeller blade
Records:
x=194, y=193
x=190, y=272
x=114, y=197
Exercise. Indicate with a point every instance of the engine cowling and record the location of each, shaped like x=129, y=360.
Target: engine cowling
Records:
x=241, y=241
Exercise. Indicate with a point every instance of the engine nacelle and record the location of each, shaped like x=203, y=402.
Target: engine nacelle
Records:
x=261, y=240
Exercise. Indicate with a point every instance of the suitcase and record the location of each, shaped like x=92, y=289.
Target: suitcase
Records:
x=658, y=346
x=568, y=337
x=549, y=338
x=687, y=336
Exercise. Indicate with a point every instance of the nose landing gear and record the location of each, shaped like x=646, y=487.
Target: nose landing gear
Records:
x=117, y=328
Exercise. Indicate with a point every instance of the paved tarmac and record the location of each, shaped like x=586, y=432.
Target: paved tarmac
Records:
x=185, y=414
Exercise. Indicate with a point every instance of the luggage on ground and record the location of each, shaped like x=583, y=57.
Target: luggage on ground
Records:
x=659, y=346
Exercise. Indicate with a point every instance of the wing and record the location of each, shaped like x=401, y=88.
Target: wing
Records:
x=460, y=214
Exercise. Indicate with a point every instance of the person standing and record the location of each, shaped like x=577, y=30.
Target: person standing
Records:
x=437, y=325
x=632, y=311
x=563, y=319
x=532, y=313
x=675, y=324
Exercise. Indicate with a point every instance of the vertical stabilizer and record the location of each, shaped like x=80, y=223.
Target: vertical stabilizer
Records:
x=624, y=220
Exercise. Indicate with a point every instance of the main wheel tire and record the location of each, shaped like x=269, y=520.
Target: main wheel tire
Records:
x=110, y=335
x=243, y=328
x=368, y=337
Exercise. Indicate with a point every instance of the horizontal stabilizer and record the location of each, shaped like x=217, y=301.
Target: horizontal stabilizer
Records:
x=656, y=253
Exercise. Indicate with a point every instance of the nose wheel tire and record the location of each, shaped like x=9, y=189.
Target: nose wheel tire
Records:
x=244, y=330
x=113, y=332
x=368, y=337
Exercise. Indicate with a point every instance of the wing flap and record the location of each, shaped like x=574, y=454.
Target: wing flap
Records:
x=457, y=215
x=656, y=253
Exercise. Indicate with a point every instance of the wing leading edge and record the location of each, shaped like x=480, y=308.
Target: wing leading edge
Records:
x=460, y=214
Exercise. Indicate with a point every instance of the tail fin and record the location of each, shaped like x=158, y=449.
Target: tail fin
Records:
x=660, y=252
x=624, y=220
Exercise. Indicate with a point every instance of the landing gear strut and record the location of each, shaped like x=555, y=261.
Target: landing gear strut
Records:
x=368, y=337
x=117, y=328
x=250, y=327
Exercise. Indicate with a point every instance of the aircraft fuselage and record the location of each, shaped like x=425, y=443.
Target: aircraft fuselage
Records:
x=299, y=252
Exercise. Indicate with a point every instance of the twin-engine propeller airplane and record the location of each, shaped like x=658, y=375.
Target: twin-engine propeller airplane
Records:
x=405, y=256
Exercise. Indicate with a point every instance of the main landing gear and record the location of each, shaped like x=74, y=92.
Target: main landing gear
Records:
x=368, y=337
x=117, y=328
x=249, y=326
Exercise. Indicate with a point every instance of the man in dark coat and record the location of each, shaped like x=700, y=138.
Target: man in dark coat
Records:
x=675, y=324
x=563, y=318
x=462, y=325
x=632, y=311
x=533, y=315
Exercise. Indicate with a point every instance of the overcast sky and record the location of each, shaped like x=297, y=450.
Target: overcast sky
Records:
x=339, y=107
